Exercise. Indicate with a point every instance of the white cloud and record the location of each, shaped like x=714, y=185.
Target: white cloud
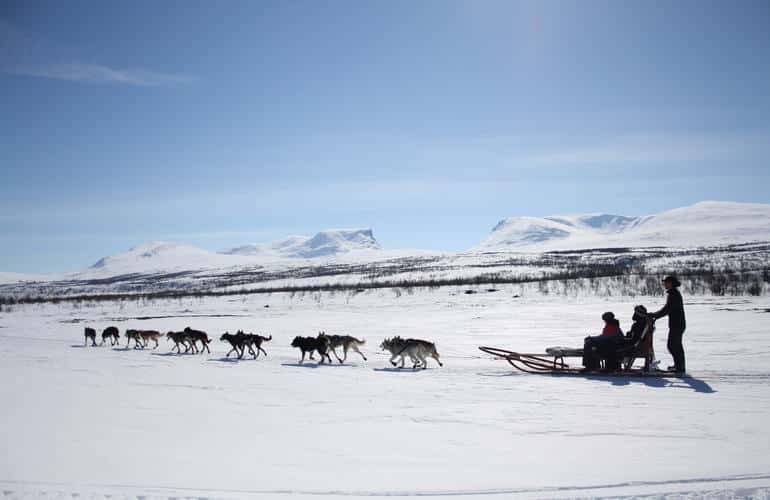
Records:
x=95, y=73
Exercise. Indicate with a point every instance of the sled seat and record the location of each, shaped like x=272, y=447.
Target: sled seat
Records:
x=564, y=352
x=559, y=353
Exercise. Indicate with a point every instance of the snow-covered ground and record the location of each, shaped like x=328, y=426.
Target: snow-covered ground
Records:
x=100, y=422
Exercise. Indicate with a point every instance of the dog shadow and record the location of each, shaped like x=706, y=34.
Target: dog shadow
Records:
x=226, y=360
x=314, y=364
x=167, y=354
x=389, y=369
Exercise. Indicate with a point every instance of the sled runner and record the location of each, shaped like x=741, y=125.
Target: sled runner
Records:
x=553, y=360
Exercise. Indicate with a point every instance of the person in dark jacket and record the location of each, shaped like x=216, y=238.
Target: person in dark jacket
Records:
x=639, y=324
x=674, y=309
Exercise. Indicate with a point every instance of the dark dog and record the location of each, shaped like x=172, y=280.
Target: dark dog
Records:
x=197, y=335
x=134, y=335
x=237, y=342
x=311, y=344
x=179, y=338
x=90, y=334
x=255, y=341
x=111, y=333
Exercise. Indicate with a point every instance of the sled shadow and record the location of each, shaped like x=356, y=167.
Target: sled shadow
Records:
x=687, y=382
x=507, y=373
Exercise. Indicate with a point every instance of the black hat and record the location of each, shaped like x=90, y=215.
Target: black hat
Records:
x=608, y=316
x=672, y=279
x=640, y=309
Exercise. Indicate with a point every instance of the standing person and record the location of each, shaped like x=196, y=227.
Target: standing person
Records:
x=674, y=309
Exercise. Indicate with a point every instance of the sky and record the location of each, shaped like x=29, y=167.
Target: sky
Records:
x=218, y=124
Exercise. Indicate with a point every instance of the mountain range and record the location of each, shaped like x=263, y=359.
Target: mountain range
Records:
x=704, y=224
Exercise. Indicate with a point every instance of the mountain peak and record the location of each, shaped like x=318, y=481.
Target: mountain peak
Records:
x=704, y=223
x=324, y=243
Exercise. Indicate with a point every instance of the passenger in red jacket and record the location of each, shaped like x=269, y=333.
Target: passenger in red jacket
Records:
x=611, y=325
x=604, y=346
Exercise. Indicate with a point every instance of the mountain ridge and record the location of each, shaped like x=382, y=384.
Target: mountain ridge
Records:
x=702, y=224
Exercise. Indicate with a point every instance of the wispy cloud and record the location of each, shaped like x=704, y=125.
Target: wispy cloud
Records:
x=655, y=149
x=96, y=74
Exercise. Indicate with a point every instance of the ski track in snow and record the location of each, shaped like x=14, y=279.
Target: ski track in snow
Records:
x=111, y=422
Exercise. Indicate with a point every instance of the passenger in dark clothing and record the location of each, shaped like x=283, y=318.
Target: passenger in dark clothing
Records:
x=674, y=309
x=637, y=328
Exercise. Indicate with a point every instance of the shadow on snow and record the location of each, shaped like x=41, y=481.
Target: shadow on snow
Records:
x=314, y=365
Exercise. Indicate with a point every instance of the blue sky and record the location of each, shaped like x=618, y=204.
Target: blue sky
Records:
x=218, y=124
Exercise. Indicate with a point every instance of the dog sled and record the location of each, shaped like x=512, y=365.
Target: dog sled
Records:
x=558, y=360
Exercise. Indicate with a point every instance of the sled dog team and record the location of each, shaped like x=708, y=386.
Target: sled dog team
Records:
x=415, y=349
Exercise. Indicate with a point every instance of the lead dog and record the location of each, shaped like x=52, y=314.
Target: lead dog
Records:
x=90, y=333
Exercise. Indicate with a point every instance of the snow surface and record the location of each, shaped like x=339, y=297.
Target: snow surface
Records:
x=708, y=223
x=100, y=422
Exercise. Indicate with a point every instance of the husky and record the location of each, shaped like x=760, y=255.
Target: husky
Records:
x=311, y=344
x=421, y=349
x=179, y=338
x=255, y=341
x=196, y=335
x=416, y=349
x=111, y=332
x=134, y=335
x=147, y=336
x=396, y=347
x=90, y=333
x=347, y=343
x=237, y=342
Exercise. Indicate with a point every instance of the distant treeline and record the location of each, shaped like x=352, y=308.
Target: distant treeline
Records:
x=610, y=279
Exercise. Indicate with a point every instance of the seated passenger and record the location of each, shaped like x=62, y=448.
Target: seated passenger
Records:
x=604, y=346
x=640, y=323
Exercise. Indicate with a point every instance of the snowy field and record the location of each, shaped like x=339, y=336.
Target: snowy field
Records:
x=85, y=422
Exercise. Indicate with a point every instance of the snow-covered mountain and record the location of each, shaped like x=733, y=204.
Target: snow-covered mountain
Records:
x=159, y=256
x=706, y=223
x=323, y=244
